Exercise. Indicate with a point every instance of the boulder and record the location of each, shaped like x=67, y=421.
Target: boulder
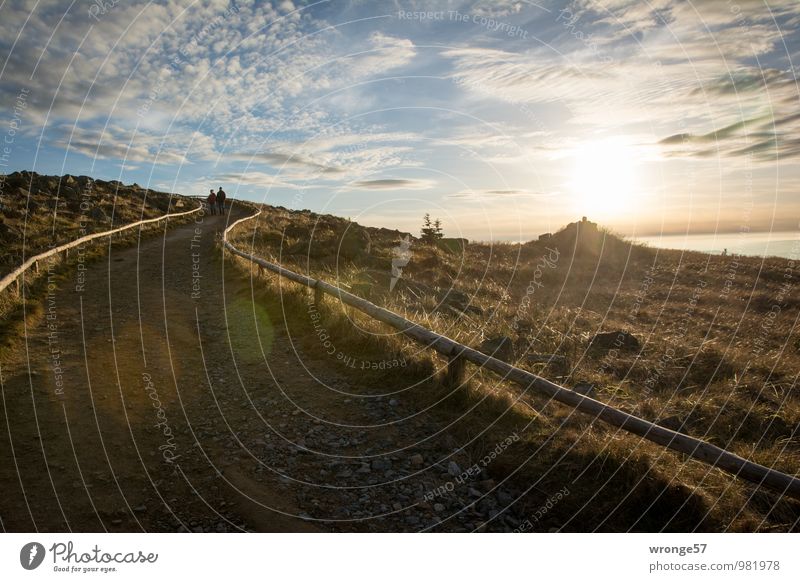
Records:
x=98, y=214
x=69, y=193
x=501, y=347
x=614, y=340
x=455, y=298
x=355, y=243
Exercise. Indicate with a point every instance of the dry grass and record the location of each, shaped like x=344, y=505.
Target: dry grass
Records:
x=43, y=211
x=718, y=359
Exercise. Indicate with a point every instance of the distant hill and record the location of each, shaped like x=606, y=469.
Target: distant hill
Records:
x=40, y=211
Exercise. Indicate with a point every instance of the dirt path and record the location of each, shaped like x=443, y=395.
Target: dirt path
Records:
x=156, y=396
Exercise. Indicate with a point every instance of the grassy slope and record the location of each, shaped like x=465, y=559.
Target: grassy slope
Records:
x=41, y=211
x=718, y=360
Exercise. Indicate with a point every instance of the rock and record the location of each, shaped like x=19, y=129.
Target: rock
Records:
x=501, y=347
x=438, y=507
x=355, y=243
x=417, y=460
x=98, y=214
x=455, y=298
x=453, y=469
x=487, y=484
x=619, y=340
x=554, y=359
x=504, y=498
x=381, y=464
x=393, y=402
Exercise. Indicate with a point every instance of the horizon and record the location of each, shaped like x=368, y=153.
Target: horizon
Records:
x=506, y=120
x=634, y=237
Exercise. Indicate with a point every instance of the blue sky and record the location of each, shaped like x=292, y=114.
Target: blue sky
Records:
x=506, y=119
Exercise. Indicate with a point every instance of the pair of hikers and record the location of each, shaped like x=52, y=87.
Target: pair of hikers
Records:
x=217, y=201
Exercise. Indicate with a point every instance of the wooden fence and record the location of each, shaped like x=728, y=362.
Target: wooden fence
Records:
x=458, y=354
x=13, y=276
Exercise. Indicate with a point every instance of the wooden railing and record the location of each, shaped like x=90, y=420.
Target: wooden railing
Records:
x=458, y=354
x=13, y=276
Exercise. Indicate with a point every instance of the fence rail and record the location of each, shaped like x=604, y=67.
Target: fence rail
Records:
x=13, y=275
x=458, y=354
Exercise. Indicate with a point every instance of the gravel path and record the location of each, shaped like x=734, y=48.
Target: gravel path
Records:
x=154, y=395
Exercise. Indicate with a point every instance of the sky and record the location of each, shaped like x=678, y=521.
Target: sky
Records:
x=506, y=119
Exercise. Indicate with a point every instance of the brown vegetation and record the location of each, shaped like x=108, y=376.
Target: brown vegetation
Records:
x=713, y=353
x=40, y=211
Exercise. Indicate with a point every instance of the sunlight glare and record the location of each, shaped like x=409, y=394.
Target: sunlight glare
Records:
x=603, y=181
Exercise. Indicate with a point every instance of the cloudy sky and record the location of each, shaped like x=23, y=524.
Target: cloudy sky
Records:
x=506, y=119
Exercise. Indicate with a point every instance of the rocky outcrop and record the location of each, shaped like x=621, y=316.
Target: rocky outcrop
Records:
x=614, y=340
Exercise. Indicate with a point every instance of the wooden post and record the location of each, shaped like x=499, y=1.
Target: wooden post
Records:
x=456, y=369
x=36, y=267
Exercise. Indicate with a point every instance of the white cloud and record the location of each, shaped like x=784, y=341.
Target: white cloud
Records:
x=393, y=184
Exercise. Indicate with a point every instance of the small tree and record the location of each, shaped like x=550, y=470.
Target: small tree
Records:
x=437, y=229
x=431, y=230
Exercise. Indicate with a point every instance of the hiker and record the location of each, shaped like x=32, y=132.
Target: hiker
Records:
x=212, y=201
x=221, y=200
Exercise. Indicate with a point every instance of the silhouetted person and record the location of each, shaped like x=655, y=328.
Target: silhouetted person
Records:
x=212, y=202
x=221, y=200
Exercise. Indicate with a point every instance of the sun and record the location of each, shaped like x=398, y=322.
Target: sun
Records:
x=603, y=177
